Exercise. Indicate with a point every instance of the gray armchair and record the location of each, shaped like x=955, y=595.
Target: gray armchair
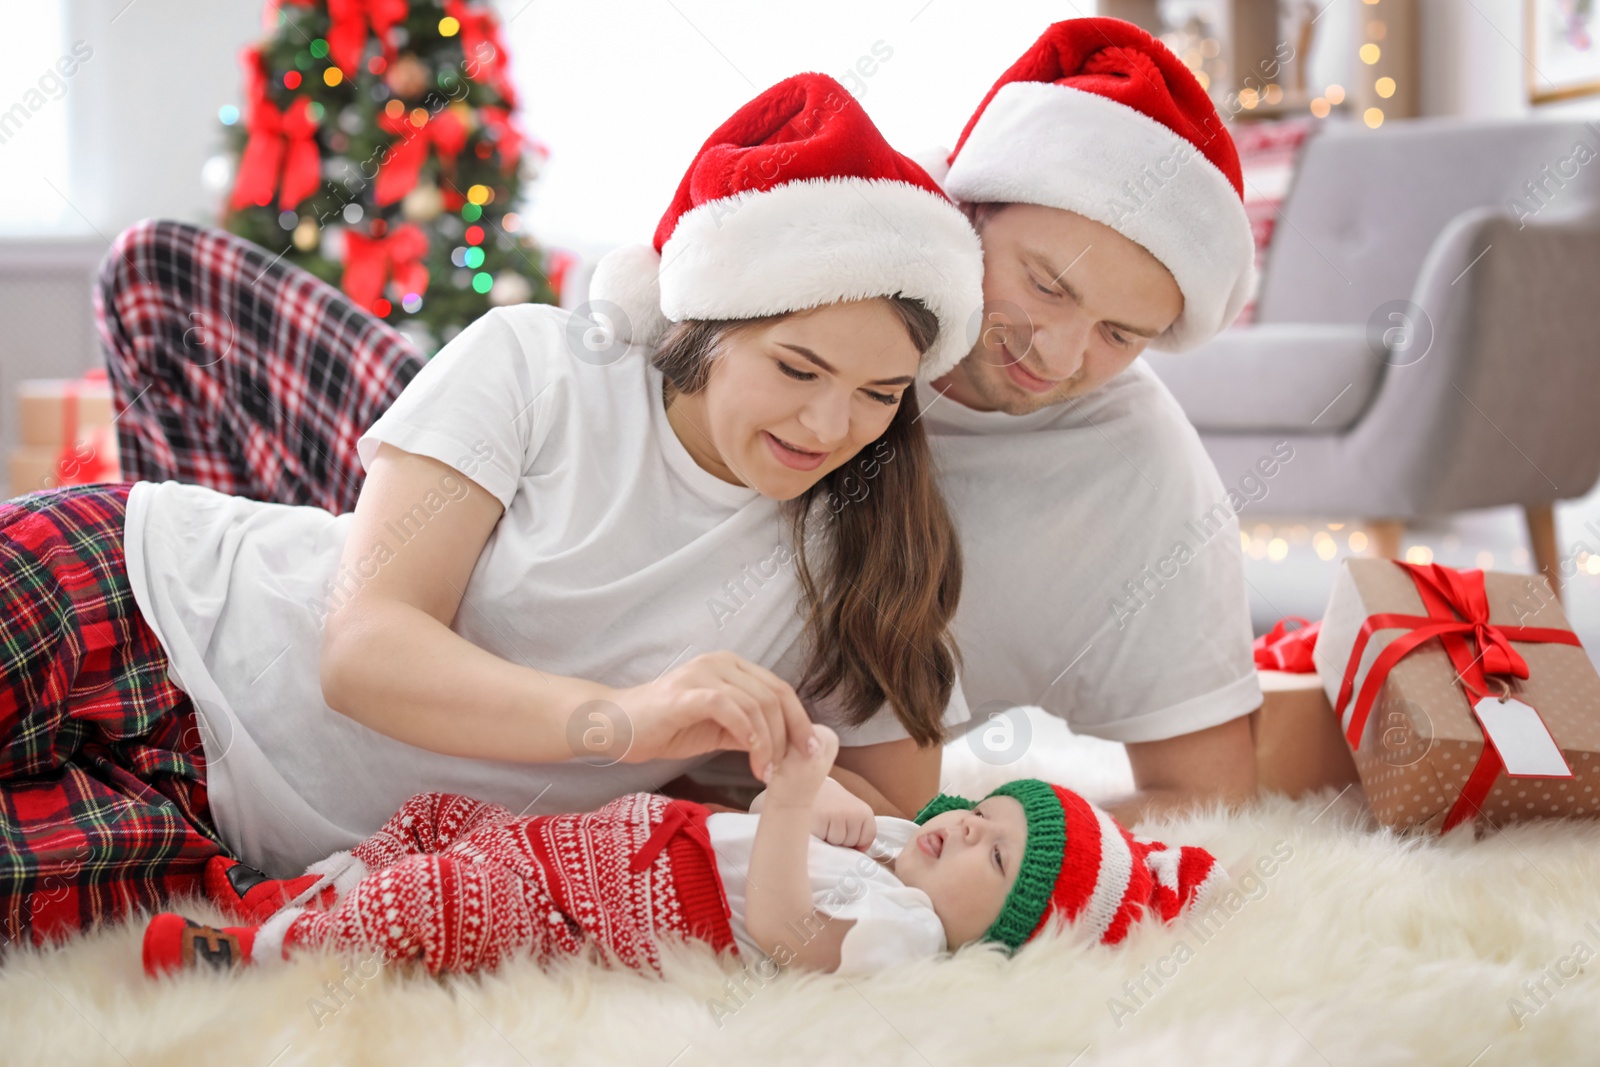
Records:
x=1427, y=334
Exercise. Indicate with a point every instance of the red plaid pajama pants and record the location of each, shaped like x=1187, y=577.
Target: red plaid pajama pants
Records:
x=229, y=369
x=460, y=884
x=235, y=370
x=102, y=779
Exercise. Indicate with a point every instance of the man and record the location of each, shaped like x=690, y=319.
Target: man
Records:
x=1103, y=574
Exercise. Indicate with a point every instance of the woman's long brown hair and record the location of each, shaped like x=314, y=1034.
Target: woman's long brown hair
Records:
x=880, y=575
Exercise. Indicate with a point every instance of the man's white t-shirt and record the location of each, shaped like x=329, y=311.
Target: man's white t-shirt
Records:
x=616, y=559
x=1103, y=574
x=894, y=922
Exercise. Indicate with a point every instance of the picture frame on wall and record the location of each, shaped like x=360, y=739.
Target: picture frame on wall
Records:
x=1563, y=49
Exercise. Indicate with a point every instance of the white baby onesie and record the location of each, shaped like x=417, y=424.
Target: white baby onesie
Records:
x=893, y=921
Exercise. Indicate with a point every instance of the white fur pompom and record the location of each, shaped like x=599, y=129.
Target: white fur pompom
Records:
x=629, y=277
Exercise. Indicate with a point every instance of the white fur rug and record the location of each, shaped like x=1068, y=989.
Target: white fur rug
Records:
x=1358, y=948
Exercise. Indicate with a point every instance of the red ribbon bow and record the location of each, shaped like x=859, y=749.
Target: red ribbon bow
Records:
x=347, y=36
x=1283, y=649
x=349, y=21
x=397, y=175
x=1458, y=609
x=281, y=143
x=506, y=136
x=369, y=262
x=486, y=56
x=681, y=817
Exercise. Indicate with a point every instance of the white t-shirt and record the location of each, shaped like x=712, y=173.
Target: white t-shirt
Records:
x=893, y=921
x=1103, y=574
x=617, y=558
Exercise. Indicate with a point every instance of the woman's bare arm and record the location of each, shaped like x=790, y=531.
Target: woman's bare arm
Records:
x=389, y=658
x=391, y=661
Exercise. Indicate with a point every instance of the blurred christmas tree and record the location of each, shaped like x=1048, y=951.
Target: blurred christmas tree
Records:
x=378, y=150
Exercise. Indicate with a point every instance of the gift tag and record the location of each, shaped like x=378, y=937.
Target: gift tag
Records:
x=1522, y=739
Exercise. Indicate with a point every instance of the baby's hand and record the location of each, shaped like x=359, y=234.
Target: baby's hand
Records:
x=796, y=778
x=839, y=817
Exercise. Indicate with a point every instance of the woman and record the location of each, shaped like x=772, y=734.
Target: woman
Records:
x=547, y=546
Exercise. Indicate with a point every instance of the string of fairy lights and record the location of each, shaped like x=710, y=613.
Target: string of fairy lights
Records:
x=1196, y=43
x=1375, y=29
x=1330, y=541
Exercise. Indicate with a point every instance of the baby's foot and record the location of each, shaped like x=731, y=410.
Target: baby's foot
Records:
x=172, y=942
x=247, y=894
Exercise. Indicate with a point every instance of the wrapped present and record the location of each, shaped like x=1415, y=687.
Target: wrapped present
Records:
x=1299, y=748
x=52, y=411
x=1464, y=695
x=67, y=434
x=31, y=467
x=92, y=458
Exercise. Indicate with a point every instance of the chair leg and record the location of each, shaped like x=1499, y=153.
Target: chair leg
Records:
x=1541, y=519
x=1386, y=537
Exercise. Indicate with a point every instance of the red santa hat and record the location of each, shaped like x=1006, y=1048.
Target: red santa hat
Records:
x=1101, y=119
x=1081, y=868
x=795, y=202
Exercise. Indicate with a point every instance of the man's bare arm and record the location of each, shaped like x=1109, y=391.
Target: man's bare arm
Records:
x=1179, y=773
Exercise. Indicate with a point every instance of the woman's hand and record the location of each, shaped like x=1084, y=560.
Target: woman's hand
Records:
x=797, y=778
x=713, y=702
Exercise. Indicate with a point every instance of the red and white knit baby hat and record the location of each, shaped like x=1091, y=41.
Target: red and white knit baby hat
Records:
x=1081, y=868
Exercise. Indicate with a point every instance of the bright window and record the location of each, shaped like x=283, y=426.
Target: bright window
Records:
x=33, y=116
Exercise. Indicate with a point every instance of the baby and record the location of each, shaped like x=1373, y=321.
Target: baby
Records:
x=458, y=884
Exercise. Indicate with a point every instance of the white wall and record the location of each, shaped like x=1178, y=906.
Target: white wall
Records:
x=1474, y=62
x=624, y=92
x=144, y=109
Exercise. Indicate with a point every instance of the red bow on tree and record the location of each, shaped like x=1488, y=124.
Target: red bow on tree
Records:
x=486, y=57
x=397, y=175
x=369, y=262
x=507, y=137
x=280, y=141
x=349, y=21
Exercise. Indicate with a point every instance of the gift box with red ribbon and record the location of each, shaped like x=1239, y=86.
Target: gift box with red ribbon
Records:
x=67, y=435
x=1464, y=695
x=1299, y=748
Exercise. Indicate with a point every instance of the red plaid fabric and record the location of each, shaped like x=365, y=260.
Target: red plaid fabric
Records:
x=461, y=884
x=232, y=369
x=102, y=779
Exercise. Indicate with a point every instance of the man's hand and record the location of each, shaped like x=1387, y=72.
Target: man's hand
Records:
x=1183, y=772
